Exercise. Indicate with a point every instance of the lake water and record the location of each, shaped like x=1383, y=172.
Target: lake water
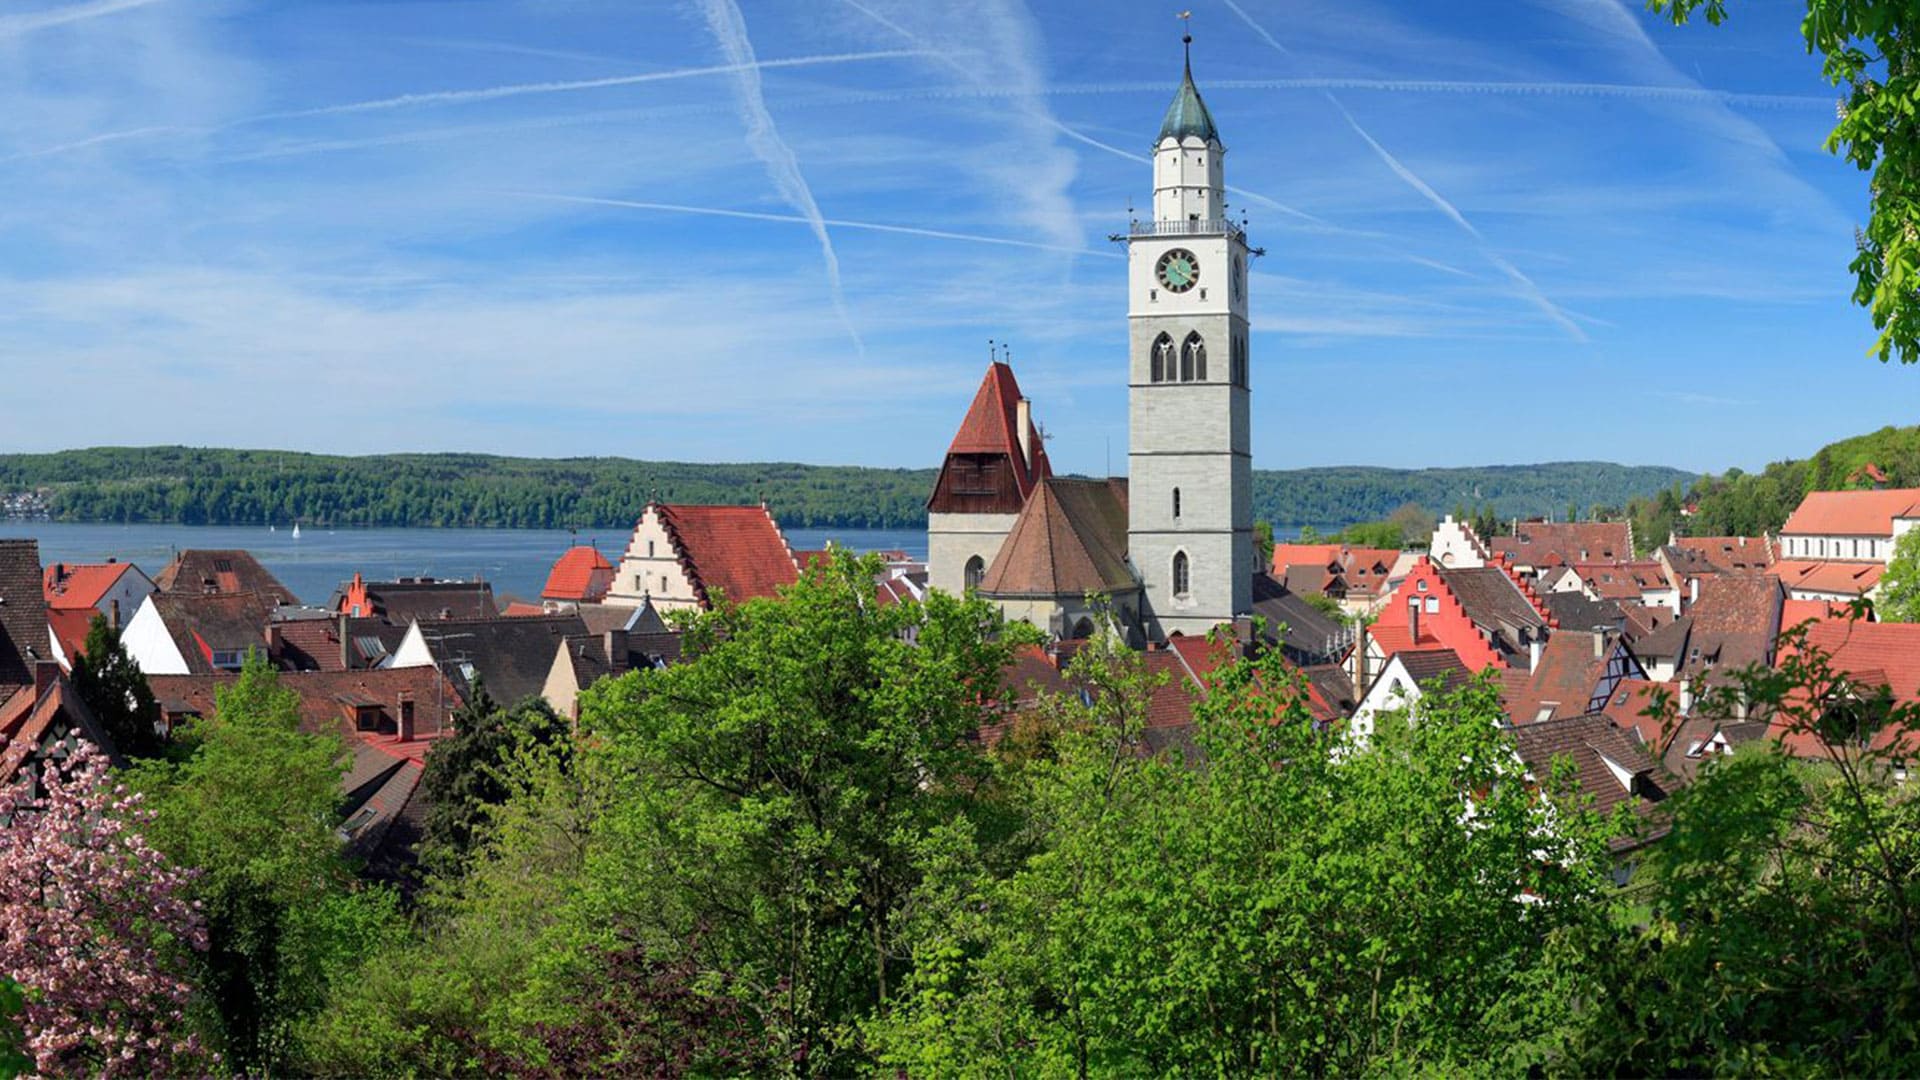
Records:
x=515, y=560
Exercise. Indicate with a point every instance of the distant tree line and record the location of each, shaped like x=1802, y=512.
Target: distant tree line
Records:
x=196, y=486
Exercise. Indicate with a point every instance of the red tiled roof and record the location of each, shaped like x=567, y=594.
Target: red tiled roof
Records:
x=1873, y=654
x=1852, y=513
x=69, y=627
x=1310, y=567
x=991, y=427
x=581, y=575
x=735, y=550
x=80, y=585
x=1537, y=543
x=1729, y=552
x=1795, y=612
x=1838, y=578
x=520, y=609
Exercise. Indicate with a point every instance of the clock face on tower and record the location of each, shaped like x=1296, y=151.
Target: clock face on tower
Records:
x=1177, y=270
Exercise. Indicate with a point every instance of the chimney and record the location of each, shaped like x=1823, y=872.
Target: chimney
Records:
x=1360, y=663
x=1535, y=646
x=406, y=716
x=45, y=674
x=1023, y=427
x=1413, y=621
x=1686, y=697
x=616, y=642
x=1599, y=644
x=1693, y=590
x=276, y=641
x=113, y=615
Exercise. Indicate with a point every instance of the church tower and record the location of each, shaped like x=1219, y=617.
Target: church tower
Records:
x=1190, y=460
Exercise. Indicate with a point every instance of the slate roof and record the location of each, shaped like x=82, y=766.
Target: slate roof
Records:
x=1539, y=543
x=737, y=551
x=984, y=470
x=23, y=615
x=80, y=585
x=511, y=657
x=1574, y=611
x=1070, y=540
x=1852, y=513
x=1589, y=741
x=1496, y=604
x=221, y=571
x=202, y=624
x=581, y=575
x=1311, y=637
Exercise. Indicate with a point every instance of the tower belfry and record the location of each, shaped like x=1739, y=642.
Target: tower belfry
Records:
x=1190, y=461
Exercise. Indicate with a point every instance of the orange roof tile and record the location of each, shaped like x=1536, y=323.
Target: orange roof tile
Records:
x=582, y=575
x=1852, y=513
x=1838, y=578
x=80, y=585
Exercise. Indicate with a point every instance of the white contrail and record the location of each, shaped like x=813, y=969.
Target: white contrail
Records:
x=730, y=30
x=838, y=223
x=107, y=137
x=492, y=93
x=11, y=25
x=1528, y=289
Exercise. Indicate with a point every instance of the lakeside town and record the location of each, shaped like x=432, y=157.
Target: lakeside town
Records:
x=1109, y=783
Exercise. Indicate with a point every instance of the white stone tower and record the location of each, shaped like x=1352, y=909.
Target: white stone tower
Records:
x=1190, y=462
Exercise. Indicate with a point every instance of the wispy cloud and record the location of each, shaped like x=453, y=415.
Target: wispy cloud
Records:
x=763, y=136
x=1524, y=284
x=838, y=223
x=738, y=67
x=27, y=22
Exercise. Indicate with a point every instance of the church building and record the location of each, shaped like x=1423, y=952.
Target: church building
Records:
x=1172, y=545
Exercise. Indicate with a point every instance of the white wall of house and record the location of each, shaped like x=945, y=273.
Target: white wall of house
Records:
x=1394, y=689
x=1837, y=548
x=1453, y=546
x=413, y=651
x=150, y=645
x=1665, y=596
x=955, y=539
x=129, y=593
x=651, y=568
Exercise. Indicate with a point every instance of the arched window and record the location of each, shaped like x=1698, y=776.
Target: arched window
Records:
x=1162, y=358
x=1176, y=503
x=1180, y=574
x=976, y=570
x=1193, y=359
x=1083, y=629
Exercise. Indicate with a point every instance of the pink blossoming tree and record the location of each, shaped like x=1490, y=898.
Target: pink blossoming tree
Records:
x=94, y=927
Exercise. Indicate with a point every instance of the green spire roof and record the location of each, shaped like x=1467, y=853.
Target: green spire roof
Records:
x=1188, y=114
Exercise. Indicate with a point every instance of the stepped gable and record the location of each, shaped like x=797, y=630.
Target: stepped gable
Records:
x=1498, y=604
x=985, y=471
x=225, y=571
x=68, y=586
x=581, y=575
x=1070, y=540
x=23, y=615
x=736, y=551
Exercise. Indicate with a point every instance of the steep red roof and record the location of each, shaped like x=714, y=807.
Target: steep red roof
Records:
x=1872, y=655
x=735, y=550
x=80, y=585
x=69, y=627
x=1837, y=578
x=1853, y=513
x=1539, y=543
x=581, y=575
x=985, y=470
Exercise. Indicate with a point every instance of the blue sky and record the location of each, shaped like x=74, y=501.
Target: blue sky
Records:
x=745, y=230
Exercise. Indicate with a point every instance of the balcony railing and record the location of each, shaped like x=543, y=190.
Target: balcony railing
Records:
x=1212, y=227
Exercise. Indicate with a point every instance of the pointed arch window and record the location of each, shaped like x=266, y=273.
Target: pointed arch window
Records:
x=976, y=572
x=1162, y=358
x=1182, y=574
x=1193, y=359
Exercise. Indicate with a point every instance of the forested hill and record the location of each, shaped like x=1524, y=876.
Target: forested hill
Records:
x=248, y=487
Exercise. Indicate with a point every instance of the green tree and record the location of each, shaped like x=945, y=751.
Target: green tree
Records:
x=252, y=807
x=1294, y=905
x=1263, y=543
x=1899, y=598
x=1871, y=50
x=116, y=692
x=465, y=775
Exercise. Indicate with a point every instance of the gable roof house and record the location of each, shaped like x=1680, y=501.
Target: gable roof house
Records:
x=1610, y=768
x=994, y=464
x=410, y=598
x=224, y=572
x=1577, y=673
x=113, y=589
x=1726, y=554
x=1873, y=658
x=683, y=556
x=1539, y=545
x=1360, y=578
x=184, y=633
x=1485, y=615
x=1836, y=544
x=1308, y=635
x=511, y=658
x=1406, y=678
x=40, y=714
